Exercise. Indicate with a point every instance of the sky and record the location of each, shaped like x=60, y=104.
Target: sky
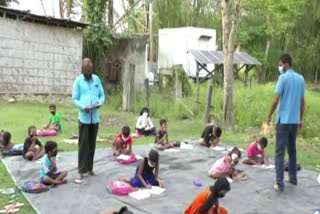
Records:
x=51, y=7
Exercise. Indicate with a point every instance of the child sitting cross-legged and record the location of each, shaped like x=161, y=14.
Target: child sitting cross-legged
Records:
x=147, y=172
x=49, y=173
x=122, y=143
x=256, y=154
x=162, y=137
x=32, y=148
x=225, y=166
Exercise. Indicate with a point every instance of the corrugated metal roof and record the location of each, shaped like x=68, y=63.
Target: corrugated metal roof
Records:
x=27, y=16
x=216, y=57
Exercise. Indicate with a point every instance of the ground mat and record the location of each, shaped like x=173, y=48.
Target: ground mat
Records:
x=179, y=170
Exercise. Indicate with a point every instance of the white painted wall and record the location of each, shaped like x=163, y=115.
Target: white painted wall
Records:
x=175, y=42
x=38, y=58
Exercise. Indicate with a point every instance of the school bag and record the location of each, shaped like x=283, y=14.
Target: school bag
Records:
x=120, y=187
x=132, y=159
x=33, y=187
x=44, y=133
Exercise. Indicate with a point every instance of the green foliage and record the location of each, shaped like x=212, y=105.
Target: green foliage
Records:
x=183, y=78
x=6, y=3
x=97, y=36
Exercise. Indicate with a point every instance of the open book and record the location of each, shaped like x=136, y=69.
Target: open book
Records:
x=146, y=193
x=270, y=166
x=217, y=148
x=123, y=157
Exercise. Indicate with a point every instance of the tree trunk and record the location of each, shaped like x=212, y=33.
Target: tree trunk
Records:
x=206, y=117
x=262, y=76
x=229, y=24
x=316, y=77
x=110, y=13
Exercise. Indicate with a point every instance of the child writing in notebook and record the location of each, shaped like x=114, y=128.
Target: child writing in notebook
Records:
x=207, y=202
x=147, y=172
x=225, y=166
x=122, y=143
x=256, y=154
x=162, y=137
x=211, y=136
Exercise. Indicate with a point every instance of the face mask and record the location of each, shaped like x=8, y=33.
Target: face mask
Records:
x=150, y=164
x=145, y=114
x=259, y=147
x=53, y=112
x=234, y=156
x=87, y=76
x=281, y=70
x=221, y=195
x=124, y=138
x=55, y=153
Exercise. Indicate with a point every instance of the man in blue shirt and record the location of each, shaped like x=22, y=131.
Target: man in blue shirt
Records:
x=88, y=96
x=290, y=97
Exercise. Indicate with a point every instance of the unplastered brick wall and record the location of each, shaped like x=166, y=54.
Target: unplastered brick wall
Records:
x=38, y=58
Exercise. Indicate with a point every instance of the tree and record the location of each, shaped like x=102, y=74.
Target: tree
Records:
x=6, y=3
x=230, y=20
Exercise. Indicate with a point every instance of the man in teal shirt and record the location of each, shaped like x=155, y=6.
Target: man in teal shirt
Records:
x=290, y=93
x=88, y=96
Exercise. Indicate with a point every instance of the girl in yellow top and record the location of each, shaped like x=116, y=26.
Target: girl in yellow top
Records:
x=207, y=202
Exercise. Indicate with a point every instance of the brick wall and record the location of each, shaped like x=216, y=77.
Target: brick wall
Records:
x=38, y=58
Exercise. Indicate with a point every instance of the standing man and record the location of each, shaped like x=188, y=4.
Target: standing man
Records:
x=88, y=96
x=290, y=93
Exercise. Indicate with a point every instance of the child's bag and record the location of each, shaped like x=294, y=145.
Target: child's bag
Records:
x=33, y=187
x=120, y=187
x=46, y=132
x=126, y=159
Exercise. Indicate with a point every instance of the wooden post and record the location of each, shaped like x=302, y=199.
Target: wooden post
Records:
x=198, y=84
x=246, y=72
x=146, y=91
x=129, y=93
x=150, y=32
x=208, y=103
x=177, y=86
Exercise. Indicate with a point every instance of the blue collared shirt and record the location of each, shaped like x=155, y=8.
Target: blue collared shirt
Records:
x=290, y=88
x=86, y=94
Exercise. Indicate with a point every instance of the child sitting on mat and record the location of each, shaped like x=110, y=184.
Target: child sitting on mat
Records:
x=49, y=173
x=32, y=148
x=123, y=142
x=144, y=176
x=207, y=202
x=211, y=136
x=54, y=120
x=256, y=154
x=225, y=166
x=144, y=124
x=162, y=138
x=5, y=141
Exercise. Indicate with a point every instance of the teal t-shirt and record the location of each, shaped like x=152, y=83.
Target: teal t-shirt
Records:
x=45, y=166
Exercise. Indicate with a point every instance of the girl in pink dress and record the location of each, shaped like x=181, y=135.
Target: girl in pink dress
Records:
x=225, y=166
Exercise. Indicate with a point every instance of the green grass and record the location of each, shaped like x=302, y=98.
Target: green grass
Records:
x=251, y=108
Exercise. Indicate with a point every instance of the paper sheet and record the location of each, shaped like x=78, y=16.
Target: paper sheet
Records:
x=218, y=148
x=139, y=157
x=123, y=157
x=140, y=195
x=155, y=190
x=319, y=179
x=185, y=146
x=270, y=166
x=229, y=179
x=172, y=150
